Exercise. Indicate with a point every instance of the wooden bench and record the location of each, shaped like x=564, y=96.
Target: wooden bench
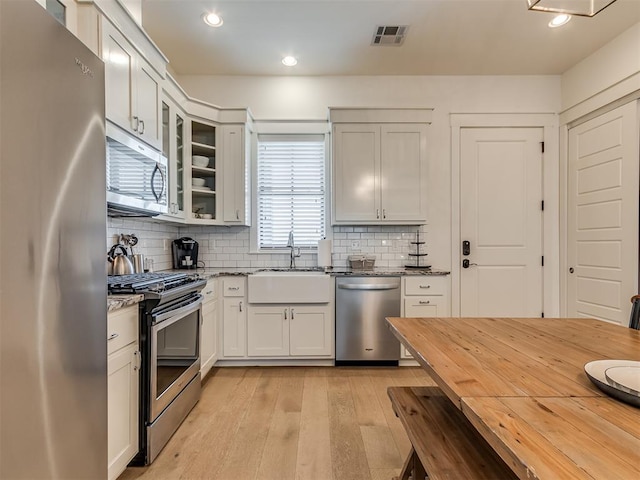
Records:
x=444, y=443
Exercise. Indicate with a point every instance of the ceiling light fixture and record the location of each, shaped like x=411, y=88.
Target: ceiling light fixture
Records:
x=583, y=8
x=289, y=61
x=559, y=20
x=212, y=19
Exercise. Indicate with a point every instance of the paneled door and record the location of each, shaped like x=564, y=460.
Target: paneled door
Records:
x=501, y=218
x=602, y=216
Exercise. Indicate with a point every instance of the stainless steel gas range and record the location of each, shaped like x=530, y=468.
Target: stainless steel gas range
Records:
x=170, y=319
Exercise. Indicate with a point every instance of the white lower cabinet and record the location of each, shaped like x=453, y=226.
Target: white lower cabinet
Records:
x=234, y=317
x=311, y=331
x=123, y=390
x=424, y=296
x=209, y=328
x=289, y=331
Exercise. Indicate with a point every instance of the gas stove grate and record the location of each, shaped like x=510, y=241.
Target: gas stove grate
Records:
x=139, y=282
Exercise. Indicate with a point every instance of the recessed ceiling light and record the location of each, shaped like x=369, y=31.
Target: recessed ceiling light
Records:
x=559, y=20
x=289, y=61
x=212, y=19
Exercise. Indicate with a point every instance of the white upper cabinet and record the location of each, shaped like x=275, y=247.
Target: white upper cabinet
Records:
x=132, y=88
x=403, y=169
x=356, y=173
x=380, y=166
x=236, y=175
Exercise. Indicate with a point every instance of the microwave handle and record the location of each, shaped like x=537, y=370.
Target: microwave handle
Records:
x=153, y=189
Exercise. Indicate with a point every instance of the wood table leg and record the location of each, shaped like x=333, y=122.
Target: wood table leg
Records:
x=412, y=468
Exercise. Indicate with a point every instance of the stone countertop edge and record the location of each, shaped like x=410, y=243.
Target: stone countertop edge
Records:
x=338, y=272
x=116, y=302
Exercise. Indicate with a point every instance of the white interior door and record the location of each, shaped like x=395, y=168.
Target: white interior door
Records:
x=501, y=218
x=602, y=216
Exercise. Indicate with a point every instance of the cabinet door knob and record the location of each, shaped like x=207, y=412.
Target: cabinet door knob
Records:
x=240, y=306
x=141, y=129
x=285, y=313
x=136, y=124
x=292, y=314
x=237, y=214
x=384, y=213
x=377, y=213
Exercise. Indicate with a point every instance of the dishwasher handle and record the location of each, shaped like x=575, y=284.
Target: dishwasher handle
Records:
x=364, y=286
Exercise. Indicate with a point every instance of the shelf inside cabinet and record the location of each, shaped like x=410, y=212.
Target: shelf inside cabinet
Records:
x=203, y=171
x=197, y=147
x=202, y=191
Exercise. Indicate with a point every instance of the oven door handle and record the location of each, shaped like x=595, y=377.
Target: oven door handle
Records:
x=172, y=316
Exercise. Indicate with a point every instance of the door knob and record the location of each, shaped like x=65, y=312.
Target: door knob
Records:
x=571, y=270
x=466, y=264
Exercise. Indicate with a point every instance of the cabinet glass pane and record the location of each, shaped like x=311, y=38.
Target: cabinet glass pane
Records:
x=165, y=130
x=180, y=160
x=58, y=10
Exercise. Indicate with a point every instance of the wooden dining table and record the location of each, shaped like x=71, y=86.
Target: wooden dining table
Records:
x=522, y=385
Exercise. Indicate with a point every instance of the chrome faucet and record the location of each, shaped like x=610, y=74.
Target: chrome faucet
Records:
x=293, y=254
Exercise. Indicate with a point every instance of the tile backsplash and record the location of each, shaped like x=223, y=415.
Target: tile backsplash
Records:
x=229, y=247
x=152, y=236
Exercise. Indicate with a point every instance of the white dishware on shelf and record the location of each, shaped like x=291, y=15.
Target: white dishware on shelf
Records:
x=200, y=161
x=206, y=216
x=198, y=182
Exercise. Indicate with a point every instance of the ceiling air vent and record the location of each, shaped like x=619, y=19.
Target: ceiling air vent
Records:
x=389, y=35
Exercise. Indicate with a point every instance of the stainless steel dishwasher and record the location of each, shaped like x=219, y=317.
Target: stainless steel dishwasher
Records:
x=362, y=336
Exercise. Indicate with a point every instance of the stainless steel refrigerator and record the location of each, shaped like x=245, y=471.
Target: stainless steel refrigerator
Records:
x=53, y=373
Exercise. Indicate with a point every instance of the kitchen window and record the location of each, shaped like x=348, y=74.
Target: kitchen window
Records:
x=291, y=192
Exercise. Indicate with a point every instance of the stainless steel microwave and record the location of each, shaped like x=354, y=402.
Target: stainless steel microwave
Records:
x=136, y=176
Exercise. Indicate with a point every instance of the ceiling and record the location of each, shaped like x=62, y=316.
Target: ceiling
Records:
x=333, y=37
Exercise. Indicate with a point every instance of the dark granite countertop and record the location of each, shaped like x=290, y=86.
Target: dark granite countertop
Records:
x=338, y=271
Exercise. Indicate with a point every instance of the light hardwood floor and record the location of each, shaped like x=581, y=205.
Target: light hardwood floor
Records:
x=299, y=423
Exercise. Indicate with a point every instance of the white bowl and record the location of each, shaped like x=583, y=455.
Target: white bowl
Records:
x=206, y=216
x=200, y=161
x=198, y=182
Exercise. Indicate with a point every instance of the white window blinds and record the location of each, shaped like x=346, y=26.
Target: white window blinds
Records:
x=291, y=190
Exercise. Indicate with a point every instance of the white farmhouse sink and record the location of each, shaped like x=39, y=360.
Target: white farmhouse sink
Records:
x=289, y=287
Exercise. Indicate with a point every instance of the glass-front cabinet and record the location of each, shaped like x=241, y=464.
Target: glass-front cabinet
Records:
x=173, y=134
x=204, y=186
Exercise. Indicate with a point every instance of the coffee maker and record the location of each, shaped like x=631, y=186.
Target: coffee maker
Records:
x=185, y=253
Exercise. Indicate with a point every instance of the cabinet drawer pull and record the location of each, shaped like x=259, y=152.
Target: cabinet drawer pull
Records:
x=112, y=336
x=233, y=288
x=425, y=286
x=137, y=124
x=208, y=292
x=377, y=213
x=138, y=360
x=141, y=129
x=237, y=214
x=425, y=302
